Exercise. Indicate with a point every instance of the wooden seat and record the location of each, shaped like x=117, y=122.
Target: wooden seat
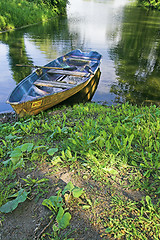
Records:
x=69, y=73
x=54, y=84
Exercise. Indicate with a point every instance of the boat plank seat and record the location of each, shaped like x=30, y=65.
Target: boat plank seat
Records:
x=81, y=58
x=67, y=72
x=54, y=84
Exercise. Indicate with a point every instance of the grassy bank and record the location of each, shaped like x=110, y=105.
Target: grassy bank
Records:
x=18, y=13
x=109, y=156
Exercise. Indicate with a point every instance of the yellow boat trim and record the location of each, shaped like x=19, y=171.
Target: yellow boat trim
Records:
x=36, y=104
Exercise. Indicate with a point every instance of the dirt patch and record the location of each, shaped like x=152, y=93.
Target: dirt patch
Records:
x=30, y=219
x=8, y=117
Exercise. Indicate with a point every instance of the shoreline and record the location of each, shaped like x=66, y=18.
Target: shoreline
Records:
x=29, y=25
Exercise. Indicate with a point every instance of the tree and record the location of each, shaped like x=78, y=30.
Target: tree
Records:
x=151, y=3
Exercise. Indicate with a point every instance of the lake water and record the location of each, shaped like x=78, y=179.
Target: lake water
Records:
x=127, y=36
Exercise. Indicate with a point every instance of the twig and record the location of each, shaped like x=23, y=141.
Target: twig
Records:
x=38, y=237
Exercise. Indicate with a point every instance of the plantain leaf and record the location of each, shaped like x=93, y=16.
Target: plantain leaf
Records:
x=60, y=214
x=11, y=205
x=69, y=187
x=77, y=192
x=64, y=221
x=18, y=164
x=52, y=151
x=16, y=153
x=57, y=201
x=27, y=147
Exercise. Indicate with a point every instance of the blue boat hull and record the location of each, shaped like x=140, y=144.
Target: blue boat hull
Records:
x=71, y=77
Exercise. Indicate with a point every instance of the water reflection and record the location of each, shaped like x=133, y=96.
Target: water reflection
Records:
x=128, y=38
x=137, y=57
x=37, y=45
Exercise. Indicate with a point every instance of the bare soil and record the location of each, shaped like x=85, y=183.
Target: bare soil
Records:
x=31, y=219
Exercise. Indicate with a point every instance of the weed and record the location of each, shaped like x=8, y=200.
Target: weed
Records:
x=117, y=146
x=61, y=217
x=133, y=220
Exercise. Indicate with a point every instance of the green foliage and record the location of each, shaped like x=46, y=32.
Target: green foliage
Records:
x=56, y=205
x=17, y=13
x=34, y=186
x=2, y=22
x=104, y=144
x=122, y=222
x=20, y=197
x=75, y=191
x=16, y=156
x=37, y=186
x=52, y=151
x=151, y=3
x=62, y=218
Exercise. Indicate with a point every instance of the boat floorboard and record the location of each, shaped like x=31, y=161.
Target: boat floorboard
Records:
x=54, y=84
x=70, y=73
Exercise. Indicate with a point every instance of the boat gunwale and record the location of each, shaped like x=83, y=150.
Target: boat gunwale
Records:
x=27, y=105
x=45, y=96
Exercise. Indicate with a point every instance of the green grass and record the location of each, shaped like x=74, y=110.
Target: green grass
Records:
x=114, y=146
x=18, y=13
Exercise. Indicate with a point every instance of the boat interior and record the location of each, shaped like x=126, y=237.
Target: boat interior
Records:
x=68, y=73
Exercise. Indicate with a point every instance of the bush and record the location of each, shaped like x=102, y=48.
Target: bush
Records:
x=150, y=3
x=2, y=22
x=17, y=13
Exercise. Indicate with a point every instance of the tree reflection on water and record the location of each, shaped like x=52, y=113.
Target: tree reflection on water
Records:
x=137, y=57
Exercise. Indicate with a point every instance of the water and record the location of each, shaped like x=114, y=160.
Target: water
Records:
x=128, y=37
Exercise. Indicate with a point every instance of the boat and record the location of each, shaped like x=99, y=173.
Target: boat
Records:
x=69, y=78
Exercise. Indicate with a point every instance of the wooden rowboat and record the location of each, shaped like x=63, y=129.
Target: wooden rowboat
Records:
x=72, y=77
